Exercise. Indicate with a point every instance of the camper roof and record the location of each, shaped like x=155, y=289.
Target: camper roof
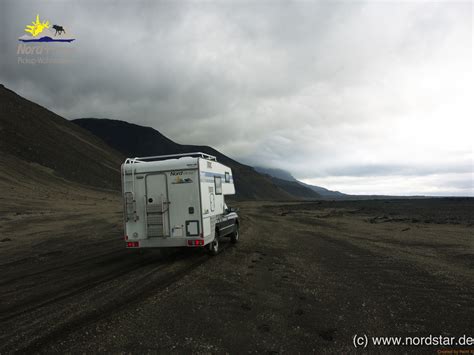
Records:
x=170, y=156
x=174, y=161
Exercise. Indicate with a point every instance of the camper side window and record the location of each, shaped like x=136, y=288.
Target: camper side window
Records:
x=218, y=185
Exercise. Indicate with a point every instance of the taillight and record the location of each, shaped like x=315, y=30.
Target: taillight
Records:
x=133, y=244
x=195, y=243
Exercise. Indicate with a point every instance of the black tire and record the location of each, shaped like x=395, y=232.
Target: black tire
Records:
x=234, y=237
x=213, y=247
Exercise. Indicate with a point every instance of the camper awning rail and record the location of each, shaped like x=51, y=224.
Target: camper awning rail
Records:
x=170, y=156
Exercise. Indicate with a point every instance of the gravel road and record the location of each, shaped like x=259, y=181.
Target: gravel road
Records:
x=305, y=277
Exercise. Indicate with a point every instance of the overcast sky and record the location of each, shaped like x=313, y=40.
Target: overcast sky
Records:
x=362, y=97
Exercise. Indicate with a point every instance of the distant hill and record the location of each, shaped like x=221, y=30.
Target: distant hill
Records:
x=276, y=173
x=33, y=136
x=324, y=192
x=296, y=189
x=281, y=174
x=134, y=141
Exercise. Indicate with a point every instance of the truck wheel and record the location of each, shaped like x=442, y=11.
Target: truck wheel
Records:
x=234, y=238
x=213, y=247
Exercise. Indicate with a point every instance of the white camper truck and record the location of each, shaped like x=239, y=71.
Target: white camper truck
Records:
x=177, y=200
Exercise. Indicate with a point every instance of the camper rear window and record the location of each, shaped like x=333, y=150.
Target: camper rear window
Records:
x=227, y=177
x=218, y=185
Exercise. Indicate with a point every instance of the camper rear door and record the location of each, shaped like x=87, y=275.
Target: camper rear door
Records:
x=184, y=208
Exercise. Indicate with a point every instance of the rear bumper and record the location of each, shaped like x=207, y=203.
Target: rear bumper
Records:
x=169, y=242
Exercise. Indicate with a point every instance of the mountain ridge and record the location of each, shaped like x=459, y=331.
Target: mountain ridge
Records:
x=134, y=140
x=33, y=134
x=57, y=151
x=285, y=175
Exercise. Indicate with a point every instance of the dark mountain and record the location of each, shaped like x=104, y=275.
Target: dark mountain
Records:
x=277, y=173
x=324, y=192
x=35, y=137
x=281, y=174
x=137, y=141
x=286, y=181
x=296, y=189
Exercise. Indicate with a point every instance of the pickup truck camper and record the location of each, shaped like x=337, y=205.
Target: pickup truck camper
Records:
x=177, y=201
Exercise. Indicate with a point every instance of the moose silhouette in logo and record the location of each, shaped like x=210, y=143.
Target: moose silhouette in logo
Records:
x=59, y=29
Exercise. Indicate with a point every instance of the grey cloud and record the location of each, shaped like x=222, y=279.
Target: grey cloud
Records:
x=318, y=88
x=392, y=169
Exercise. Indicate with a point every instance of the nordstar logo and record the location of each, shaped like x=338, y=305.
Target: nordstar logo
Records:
x=43, y=31
x=36, y=48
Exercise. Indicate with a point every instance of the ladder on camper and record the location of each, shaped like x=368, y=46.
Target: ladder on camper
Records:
x=155, y=217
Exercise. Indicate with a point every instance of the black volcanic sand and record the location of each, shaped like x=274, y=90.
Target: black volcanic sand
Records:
x=304, y=278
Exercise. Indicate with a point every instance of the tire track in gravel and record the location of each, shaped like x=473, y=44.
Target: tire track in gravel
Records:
x=87, y=304
x=53, y=296
x=62, y=266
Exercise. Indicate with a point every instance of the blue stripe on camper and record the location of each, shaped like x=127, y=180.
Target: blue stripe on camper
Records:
x=208, y=180
x=207, y=174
